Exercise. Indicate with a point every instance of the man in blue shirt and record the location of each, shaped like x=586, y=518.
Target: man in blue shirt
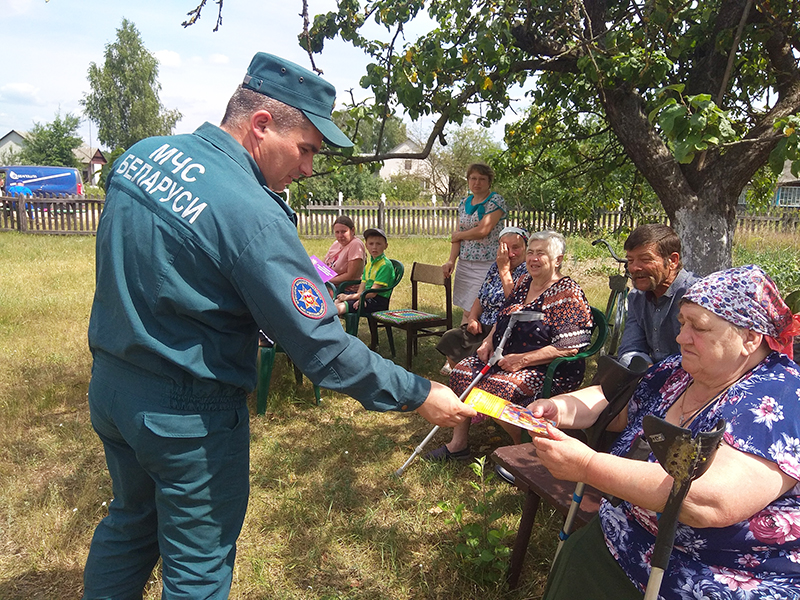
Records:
x=195, y=253
x=654, y=261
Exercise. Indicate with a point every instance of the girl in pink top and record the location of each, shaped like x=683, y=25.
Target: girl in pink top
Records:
x=347, y=254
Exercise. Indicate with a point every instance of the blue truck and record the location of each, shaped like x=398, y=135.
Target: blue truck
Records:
x=27, y=180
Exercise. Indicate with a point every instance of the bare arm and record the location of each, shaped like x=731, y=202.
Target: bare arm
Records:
x=355, y=296
x=374, y=285
x=486, y=348
x=447, y=268
x=504, y=269
x=576, y=410
x=540, y=356
x=715, y=500
x=473, y=324
x=481, y=230
x=353, y=272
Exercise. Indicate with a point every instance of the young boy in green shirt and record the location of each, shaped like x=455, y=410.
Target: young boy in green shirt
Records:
x=378, y=272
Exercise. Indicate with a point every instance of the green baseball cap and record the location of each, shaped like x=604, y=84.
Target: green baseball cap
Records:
x=296, y=86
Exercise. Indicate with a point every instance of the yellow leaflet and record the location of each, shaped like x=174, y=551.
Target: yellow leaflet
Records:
x=496, y=407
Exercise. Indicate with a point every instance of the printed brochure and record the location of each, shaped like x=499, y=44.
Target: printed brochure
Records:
x=496, y=407
x=325, y=272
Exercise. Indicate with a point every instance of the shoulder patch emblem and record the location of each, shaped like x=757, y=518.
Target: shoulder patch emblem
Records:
x=307, y=299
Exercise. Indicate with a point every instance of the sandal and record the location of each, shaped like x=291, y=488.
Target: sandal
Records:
x=442, y=454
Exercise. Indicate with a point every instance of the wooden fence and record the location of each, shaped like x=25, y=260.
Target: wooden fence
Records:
x=402, y=220
x=64, y=215
x=73, y=215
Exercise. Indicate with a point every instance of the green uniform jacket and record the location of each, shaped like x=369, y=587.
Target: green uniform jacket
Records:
x=194, y=255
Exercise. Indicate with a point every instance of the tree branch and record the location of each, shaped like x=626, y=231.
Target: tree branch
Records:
x=307, y=37
x=194, y=14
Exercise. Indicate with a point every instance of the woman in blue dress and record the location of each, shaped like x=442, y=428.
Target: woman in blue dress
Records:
x=738, y=535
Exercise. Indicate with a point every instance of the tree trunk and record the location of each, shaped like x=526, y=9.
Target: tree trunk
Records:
x=702, y=211
x=706, y=237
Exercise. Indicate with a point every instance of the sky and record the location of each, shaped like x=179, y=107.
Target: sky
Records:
x=48, y=47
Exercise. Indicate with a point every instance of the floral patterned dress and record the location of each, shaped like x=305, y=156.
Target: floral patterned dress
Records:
x=758, y=558
x=486, y=248
x=567, y=324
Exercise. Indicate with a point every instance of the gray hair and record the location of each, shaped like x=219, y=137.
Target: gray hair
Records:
x=556, y=243
x=245, y=102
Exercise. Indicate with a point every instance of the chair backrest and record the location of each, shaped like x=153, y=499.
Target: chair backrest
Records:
x=433, y=275
x=399, y=271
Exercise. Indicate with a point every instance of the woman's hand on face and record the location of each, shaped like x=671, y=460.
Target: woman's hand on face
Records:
x=447, y=268
x=564, y=456
x=474, y=326
x=484, y=351
x=513, y=362
x=503, y=261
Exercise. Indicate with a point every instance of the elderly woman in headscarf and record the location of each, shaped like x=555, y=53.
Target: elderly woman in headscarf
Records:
x=738, y=535
x=565, y=328
x=458, y=344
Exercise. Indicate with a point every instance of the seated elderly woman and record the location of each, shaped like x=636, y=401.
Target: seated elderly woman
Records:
x=566, y=327
x=458, y=344
x=739, y=527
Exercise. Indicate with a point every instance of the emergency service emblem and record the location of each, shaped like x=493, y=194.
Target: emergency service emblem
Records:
x=307, y=299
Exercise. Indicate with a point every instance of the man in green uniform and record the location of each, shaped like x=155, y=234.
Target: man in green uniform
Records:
x=196, y=253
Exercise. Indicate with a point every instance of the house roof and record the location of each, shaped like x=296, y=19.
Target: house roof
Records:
x=87, y=155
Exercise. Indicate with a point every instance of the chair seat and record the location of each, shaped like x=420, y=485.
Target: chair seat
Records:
x=405, y=315
x=532, y=476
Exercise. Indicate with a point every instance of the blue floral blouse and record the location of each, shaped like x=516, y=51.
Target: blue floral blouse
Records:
x=491, y=295
x=758, y=558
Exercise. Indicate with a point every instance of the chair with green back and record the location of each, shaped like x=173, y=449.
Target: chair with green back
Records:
x=351, y=319
x=599, y=335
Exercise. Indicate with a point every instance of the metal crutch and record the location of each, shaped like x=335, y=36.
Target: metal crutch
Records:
x=618, y=384
x=514, y=318
x=685, y=459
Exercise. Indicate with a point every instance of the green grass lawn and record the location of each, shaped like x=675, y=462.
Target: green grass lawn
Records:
x=325, y=520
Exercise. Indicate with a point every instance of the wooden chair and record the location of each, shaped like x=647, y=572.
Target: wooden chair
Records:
x=266, y=362
x=351, y=319
x=414, y=322
x=536, y=481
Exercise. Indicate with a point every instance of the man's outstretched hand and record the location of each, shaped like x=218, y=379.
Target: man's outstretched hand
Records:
x=442, y=407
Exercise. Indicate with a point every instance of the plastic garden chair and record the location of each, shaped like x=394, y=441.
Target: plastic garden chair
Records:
x=351, y=320
x=266, y=363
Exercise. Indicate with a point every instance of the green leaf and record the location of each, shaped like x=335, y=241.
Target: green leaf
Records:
x=778, y=157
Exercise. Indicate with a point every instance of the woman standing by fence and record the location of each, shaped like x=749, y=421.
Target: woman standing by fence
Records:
x=474, y=244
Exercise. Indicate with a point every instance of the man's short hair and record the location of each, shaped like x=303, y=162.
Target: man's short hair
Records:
x=245, y=102
x=663, y=237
